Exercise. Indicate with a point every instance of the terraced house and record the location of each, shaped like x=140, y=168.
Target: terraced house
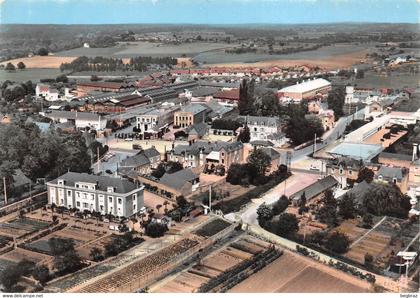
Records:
x=107, y=195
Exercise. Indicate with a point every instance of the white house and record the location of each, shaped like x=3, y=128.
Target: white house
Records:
x=265, y=129
x=107, y=195
x=80, y=120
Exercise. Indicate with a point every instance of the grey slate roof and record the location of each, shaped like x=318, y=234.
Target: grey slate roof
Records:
x=199, y=129
x=178, y=179
x=73, y=115
x=261, y=120
x=151, y=152
x=274, y=154
x=206, y=147
x=204, y=91
x=194, y=108
x=135, y=161
x=19, y=179
x=316, y=188
x=395, y=156
x=141, y=159
x=121, y=185
x=388, y=173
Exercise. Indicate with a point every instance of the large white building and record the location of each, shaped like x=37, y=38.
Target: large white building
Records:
x=80, y=120
x=107, y=195
x=156, y=120
x=305, y=90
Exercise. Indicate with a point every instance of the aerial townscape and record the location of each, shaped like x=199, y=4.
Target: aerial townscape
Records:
x=187, y=149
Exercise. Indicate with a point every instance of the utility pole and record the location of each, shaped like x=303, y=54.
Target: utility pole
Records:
x=5, y=191
x=97, y=154
x=314, y=145
x=210, y=198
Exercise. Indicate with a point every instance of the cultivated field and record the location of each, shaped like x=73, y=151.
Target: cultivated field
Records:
x=330, y=57
x=41, y=61
x=294, y=273
x=21, y=226
x=32, y=74
x=141, y=48
x=213, y=266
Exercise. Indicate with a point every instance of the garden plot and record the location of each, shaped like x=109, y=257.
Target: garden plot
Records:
x=212, y=228
x=212, y=266
x=84, y=250
x=21, y=226
x=43, y=246
x=374, y=244
x=20, y=254
x=294, y=273
x=140, y=269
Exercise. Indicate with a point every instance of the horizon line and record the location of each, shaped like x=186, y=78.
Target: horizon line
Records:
x=216, y=24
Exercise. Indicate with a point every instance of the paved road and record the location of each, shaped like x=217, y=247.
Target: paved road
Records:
x=293, y=184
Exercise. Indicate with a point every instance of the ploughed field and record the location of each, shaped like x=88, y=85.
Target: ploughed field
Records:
x=294, y=273
x=219, y=270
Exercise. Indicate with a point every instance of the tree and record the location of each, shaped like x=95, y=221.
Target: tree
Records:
x=386, y=199
x=244, y=136
x=367, y=222
x=69, y=262
x=96, y=254
x=335, y=100
x=360, y=74
x=155, y=230
x=10, y=67
x=62, y=78
x=327, y=213
x=181, y=201
x=337, y=242
x=11, y=275
x=286, y=225
x=365, y=174
x=246, y=96
x=173, y=166
x=264, y=214
x=280, y=205
x=300, y=129
x=260, y=161
x=21, y=65
x=43, y=52
x=237, y=174
x=158, y=206
x=347, y=206
x=41, y=273
x=368, y=260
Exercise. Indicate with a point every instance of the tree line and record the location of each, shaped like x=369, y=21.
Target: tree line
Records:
x=100, y=63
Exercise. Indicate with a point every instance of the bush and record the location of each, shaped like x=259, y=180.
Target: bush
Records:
x=337, y=242
x=155, y=230
x=280, y=205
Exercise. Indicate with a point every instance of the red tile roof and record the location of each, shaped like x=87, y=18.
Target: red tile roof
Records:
x=228, y=94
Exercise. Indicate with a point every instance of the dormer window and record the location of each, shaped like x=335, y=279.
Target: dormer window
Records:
x=394, y=180
x=110, y=189
x=60, y=182
x=380, y=177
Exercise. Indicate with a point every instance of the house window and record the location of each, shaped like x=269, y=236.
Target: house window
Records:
x=110, y=199
x=380, y=177
x=85, y=205
x=78, y=204
x=119, y=201
x=341, y=171
x=350, y=172
x=394, y=180
x=69, y=192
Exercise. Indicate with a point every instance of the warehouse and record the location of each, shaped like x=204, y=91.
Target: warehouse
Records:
x=305, y=90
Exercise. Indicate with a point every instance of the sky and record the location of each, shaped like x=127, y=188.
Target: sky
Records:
x=207, y=11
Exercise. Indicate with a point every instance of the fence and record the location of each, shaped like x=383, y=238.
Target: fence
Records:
x=145, y=280
x=293, y=246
